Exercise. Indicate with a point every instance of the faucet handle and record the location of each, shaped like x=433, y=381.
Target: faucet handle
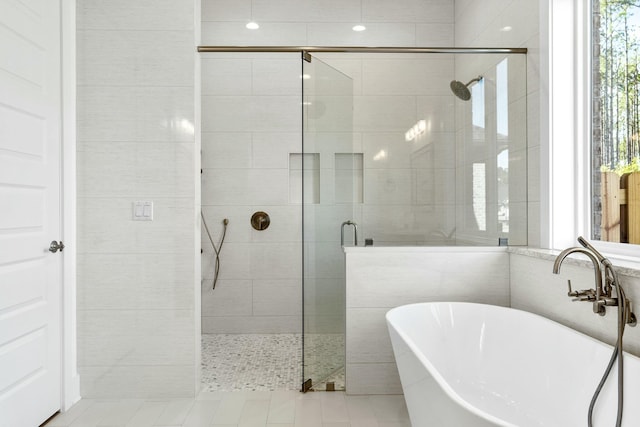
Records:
x=581, y=293
x=571, y=293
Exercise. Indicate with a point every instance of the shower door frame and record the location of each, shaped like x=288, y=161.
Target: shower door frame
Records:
x=306, y=51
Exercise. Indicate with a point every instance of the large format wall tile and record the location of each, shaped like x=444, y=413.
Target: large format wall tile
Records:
x=153, y=169
x=534, y=288
x=134, y=113
x=171, y=230
x=251, y=324
x=113, y=58
x=270, y=34
x=136, y=142
x=306, y=10
x=431, y=11
x=379, y=279
x=512, y=24
x=377, y=34
x=129, y=281
x=159, y=381
x=251, y=103
x=125, y=15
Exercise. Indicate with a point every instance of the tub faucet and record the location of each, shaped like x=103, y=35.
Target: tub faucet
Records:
x=593, y=295
x=601, y=296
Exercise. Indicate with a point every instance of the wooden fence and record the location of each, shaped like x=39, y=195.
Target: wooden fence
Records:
x=620, y=207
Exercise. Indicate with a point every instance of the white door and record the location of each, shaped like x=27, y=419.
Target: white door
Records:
x=30, y=275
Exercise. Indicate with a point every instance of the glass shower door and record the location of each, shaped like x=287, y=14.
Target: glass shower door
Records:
x=332, y=185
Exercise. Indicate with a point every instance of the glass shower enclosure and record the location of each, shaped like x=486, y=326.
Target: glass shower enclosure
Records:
x=413, y=146
x=413, y=149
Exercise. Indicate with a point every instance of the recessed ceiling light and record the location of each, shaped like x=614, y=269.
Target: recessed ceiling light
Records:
x=252, y=25
x=359, y=27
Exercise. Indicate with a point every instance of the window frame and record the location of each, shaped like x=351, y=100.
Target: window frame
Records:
x=565, y=167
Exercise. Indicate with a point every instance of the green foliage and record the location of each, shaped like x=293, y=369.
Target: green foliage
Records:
x=618, y=81
x=622, y=168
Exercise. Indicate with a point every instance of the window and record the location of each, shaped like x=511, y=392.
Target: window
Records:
x=570, y=166
x=615, y=121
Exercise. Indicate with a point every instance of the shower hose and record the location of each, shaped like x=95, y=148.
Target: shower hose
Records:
x=617, y=351
x=217, y=249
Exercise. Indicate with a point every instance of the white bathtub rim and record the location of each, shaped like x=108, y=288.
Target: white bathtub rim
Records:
x=440, y=379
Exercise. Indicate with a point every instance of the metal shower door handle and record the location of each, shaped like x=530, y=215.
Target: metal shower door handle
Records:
x=355, y=232
x=55, y=246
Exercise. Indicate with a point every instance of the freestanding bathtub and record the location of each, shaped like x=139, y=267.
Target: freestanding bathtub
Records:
x=468, y=365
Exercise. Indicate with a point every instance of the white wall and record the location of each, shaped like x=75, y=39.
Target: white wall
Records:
x=408, y=186
x=328, y=22
x=534, y=288
x=491, y=150
x=135, y=129
x=135, y=142
x=251, y=123
x=379, y=279
x=512, y=24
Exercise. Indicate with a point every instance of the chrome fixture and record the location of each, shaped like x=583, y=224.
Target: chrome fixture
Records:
x=461, y=90
x=601, y=297
x=355, y=232
x=55, y=246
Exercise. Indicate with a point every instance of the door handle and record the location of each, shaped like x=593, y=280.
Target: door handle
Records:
x=55, y=246
x=355, y=232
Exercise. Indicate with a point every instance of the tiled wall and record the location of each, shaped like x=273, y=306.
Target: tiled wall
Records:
x=251, y=124
x=534, y=288
x=512, y=24
x=328, y=22
x=379, y=279
x=136, y=142
x=137, y=324
x=409, y=186
x=491, y=156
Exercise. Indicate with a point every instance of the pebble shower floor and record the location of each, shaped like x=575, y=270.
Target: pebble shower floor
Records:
x=255, y=362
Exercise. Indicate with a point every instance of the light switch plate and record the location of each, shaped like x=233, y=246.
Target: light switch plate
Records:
x=143, y=211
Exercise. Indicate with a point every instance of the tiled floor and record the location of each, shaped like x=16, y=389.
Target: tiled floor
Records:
x=252, y=362
x=241, y=409
x=270, y=362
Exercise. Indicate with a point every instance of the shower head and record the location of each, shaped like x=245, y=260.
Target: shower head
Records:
x=461, y=90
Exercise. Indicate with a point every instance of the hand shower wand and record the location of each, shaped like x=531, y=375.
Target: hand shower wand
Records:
x=217, y=250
